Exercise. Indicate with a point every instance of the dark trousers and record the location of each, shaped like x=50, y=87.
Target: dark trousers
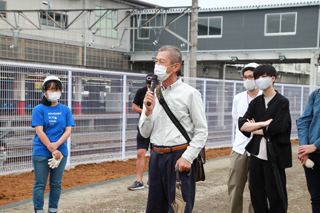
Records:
x=263, y=188
x=162, y=182
x=313, y=181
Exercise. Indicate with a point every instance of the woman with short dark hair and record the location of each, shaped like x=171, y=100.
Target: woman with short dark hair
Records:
x=53, y=123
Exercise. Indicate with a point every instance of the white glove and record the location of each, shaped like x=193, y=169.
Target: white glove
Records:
x=52, y=162
x=309, y=163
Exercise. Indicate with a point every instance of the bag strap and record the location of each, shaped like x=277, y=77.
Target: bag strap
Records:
x=175, y=121
x=171, y=115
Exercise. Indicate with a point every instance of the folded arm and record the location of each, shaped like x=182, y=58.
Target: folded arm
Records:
x=254, y=126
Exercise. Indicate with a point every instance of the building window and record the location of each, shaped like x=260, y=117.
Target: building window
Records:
x=280, y=24
x=3, y=6
x=107, y=23
x=61, y=19
x=210, y=27
x=144, y=33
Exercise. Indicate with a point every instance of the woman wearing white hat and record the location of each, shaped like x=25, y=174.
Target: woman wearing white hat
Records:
x=53, y=123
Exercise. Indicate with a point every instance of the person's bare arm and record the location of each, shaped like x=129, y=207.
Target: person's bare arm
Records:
x=63, y=138
x=253, y=126
x=43, y=137
x=258, y=132
x=136, y=108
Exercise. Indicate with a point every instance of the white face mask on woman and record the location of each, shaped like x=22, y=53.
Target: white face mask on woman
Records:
x=263, y=83
x=54, y=96
x=250, y=85
x=161, y=72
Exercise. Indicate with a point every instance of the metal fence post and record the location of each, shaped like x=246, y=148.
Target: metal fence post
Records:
x=124, y=105
x=70, y=106
x=204, y=93
x=233, y=124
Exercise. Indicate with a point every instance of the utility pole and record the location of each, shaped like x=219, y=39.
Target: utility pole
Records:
x=194, y=39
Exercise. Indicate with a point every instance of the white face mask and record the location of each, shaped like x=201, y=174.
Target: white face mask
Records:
x=263, y=83
x=250, y=85
x=54, y=96
x=161, y=72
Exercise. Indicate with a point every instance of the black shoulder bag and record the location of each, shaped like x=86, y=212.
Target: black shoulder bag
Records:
x=199, y=161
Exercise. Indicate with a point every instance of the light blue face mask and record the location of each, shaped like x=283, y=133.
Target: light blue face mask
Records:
x=263, y=83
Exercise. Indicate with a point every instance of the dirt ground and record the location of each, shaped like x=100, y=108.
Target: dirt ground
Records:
x=89, y=173
x=211, y=195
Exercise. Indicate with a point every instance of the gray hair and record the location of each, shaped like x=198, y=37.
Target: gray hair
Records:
x=174, y=53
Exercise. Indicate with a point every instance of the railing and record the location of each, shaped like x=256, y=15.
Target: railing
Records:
x=101, y=104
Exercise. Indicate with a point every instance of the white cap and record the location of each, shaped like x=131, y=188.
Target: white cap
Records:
x=250, y=66
x=49, y=78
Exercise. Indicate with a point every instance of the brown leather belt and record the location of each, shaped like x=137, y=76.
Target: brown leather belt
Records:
x=170, y=149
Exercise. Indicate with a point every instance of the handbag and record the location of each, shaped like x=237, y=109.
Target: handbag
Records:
x=200, y=159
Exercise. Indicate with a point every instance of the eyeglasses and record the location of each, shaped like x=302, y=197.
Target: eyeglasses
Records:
x=250, y=77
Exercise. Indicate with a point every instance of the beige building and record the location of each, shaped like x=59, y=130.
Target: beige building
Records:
x=68, y=33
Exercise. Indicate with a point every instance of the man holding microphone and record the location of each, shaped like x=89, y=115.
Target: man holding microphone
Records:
x=170, y=148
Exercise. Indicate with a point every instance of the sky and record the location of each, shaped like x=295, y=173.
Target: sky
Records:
x=219, y=3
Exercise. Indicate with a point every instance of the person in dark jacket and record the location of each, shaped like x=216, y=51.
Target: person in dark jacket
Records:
x=270, y=109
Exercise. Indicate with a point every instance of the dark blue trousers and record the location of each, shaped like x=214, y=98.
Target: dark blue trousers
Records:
x=313, y=182
x=162, y=183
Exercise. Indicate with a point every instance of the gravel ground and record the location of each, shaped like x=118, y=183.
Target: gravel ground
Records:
x=212, y=196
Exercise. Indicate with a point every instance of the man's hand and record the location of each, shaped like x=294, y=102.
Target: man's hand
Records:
x=183, y=164
x=150, y=97
x=251, y=121
x=306, y=149
x=303, y=158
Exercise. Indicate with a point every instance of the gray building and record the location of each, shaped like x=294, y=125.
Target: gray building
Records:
x=285, y=35
x=127, y=36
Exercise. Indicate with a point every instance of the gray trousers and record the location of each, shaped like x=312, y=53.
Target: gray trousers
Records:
x=238, y=176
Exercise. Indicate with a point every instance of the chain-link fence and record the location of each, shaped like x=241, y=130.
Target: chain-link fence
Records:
x=101, y=103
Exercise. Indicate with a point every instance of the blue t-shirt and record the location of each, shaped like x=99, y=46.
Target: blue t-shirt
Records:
x=54, y=120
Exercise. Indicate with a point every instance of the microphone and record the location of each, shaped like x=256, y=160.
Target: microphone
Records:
x=154, y=81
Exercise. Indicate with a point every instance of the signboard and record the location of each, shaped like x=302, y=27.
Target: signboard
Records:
x=37, y=85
